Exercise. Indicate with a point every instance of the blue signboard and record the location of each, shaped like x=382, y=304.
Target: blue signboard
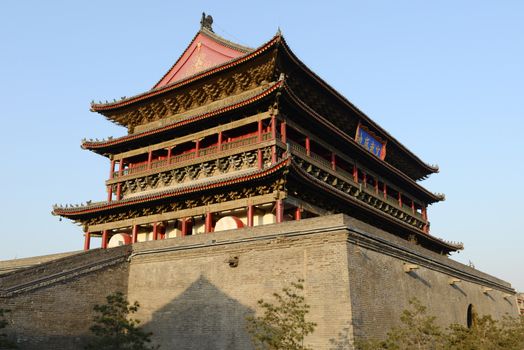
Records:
x=369, y=142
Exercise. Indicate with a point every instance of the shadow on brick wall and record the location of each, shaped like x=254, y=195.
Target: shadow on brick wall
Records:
x=202, y=317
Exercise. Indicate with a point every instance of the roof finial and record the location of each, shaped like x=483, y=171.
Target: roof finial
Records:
x=206, y=22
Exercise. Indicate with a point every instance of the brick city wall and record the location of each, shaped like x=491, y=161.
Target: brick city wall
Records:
x=52, y=304
x=192, y=299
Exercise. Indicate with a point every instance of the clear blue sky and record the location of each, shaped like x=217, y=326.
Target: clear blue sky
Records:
x=446, y=78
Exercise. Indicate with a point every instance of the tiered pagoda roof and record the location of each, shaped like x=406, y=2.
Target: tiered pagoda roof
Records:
x=215, y=80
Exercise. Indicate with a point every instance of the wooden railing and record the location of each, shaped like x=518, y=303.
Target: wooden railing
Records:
x=319, y=160
x=179, y=158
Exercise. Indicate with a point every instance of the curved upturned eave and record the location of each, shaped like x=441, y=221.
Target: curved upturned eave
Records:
x=98, y=147
x=295, y=169
x=430, y=169
x=305, y=108
x=104, y=107
x=73, y=212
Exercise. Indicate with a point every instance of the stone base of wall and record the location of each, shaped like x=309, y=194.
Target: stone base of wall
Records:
x=191, y=298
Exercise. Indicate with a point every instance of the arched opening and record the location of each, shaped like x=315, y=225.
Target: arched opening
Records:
x=471, y=316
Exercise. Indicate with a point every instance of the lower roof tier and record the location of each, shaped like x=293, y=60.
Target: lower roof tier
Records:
x=288, y=179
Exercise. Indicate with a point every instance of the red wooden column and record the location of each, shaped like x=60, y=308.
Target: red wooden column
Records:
x=424, y=212
x=385, y=191
x=413, y=206
x=219, y=144
x=149, y=159
x=109, y=193
x=333, y=161
x=273, y=127
x=209, y=222
x=355, y=173
x=184, y=227
x=121, y=167
x=298, y=213
x=259, y=132
x=365, y=179
x=135, y=234
x=279, y=210
x=197, y=148
x=155, y=231
x=376, y=185
x=169, y=152
x=400, y=199
x=250, y=212
x=104, y=239
x=118, y=191
x=283, y=132
x=308, y=146
x=273, y=154
x=87, y=240
x=112, y=169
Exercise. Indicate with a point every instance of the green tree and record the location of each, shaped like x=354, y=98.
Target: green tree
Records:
x=4, y=342
x=283, y=325
x=114, y=330
x=487, y=334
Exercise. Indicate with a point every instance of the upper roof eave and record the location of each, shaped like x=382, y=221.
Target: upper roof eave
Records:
x=430, y=168
x=95, y=145
x=104, y=107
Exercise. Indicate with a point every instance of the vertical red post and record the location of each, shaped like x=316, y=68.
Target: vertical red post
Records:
x=355, y=173
x=279, y=210
x=87, y=240
x=121, y=167
x=135, y=234
x=424, y=212
x=169, y=152
x=259, y=132
x=376, y=185
x=109, y=193
x=260, y=160
x=112, y=169
x=118, y=191
x=184, y=227
x=149, y=159
x=400, y=199
x=308, y=146
x=219, y=145
x=250, y=212
x=209, y=222
x=298, y=213
x=104, y=239
x=283, y=132
x=365, y=179
x=333, y=161
x=273, y=127
x=155, y=231
x=197, y=148
x=385, y=191
x=413, y=206
x=273, y=154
